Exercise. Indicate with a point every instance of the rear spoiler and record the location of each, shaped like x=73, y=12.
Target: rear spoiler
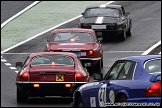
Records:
x=156, y=77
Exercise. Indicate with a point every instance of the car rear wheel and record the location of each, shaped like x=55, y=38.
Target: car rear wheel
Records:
x=123, y=36
x=128, y=33
x=21, y=96
x=122, y=100
x=98, y=66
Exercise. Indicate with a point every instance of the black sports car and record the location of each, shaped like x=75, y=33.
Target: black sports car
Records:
x=108, y=21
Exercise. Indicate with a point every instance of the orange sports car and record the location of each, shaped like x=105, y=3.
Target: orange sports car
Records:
x=49, y=74
x=82, y=42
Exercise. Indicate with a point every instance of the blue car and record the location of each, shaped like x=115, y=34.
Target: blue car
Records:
x=131, y=81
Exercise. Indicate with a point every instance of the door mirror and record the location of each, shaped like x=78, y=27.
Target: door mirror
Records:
x=82, y=13
x=19, y=65
x=98, y=76
x=127, y=13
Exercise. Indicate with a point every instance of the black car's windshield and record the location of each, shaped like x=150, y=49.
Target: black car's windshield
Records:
x=75, y=37
x=96, y=12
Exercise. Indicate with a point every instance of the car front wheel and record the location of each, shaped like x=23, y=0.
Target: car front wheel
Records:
x=80, y=104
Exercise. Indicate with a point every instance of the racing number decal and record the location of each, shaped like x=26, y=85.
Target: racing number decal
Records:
x=102, y=95
x=93, y=101
x=59, y=77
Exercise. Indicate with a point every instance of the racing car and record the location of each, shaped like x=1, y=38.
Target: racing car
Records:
x=108, y=21
x=82, y=42
x=49, y=74
x=131, y=81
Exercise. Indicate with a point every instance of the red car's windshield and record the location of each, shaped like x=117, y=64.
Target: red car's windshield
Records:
x=75, y=37
x=52, y=60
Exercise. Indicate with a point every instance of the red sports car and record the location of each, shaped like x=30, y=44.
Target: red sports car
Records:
x=82, y=42
x=49, y=74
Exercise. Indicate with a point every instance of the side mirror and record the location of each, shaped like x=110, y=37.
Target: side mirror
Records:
x=98, y=76
x=82, y=13
x=19, y=65
x=127, y=13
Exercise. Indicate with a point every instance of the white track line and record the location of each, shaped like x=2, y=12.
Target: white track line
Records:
x=151, y=48
x=8, y=64
x=16, y=53
x=44, y=32
x=21, y=12
x=3, y=60
x=2, y=25
x=13, y=68
x=103, y=52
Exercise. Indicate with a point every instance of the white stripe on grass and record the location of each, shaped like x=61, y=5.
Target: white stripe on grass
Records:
x=19, y=13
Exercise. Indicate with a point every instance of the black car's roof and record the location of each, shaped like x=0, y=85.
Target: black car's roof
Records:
x=106, y=6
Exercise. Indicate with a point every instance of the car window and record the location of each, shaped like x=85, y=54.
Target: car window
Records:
x=80, y=63
x=26, y=61
x=78, y=37
x=52, y=59
x=114, y=71
x=153, y=65
x=96, y=12
x=124, y=73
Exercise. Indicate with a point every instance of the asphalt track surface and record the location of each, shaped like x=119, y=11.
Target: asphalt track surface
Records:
x=146, y=31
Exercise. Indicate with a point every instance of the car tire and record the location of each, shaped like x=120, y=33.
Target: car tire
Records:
x=102, y=62
x=21, y=96
x=80, y=103
x=123, y=36
x=128, y=33
x=122, y=99
x=98, y=66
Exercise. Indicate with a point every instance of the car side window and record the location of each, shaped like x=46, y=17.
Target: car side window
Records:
x=124, y=73
x=123, y=11
x=114, y=71
x=153, y=66
x=26, y=61
x=80, y=63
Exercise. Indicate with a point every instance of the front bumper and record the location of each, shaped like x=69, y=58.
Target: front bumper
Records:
x=48, y=88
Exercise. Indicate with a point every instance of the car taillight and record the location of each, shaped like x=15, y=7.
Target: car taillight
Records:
x=153, y=90
x=90, y=53
x=82, y=25
x=50, y=50
x=24, y=76
x=115, y=26
x=78, y=75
